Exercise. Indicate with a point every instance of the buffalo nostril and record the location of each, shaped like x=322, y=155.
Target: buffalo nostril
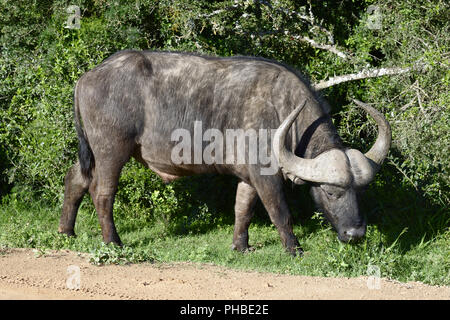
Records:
x=353, y=234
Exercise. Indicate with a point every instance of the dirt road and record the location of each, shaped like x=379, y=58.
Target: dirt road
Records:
x=68, y=275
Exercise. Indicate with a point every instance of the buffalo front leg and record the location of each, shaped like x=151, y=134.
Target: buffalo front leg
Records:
x=76, y=186
x=245, y=201
x=270, y=191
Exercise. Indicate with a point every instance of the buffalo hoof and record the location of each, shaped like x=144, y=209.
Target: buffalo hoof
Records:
x=116, y=243
x=67, y=232
x=114, y=240
x=295, y=251
x=243, y=249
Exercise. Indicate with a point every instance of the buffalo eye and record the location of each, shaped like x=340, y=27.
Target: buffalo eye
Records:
x=331, y=195
x=332, y=192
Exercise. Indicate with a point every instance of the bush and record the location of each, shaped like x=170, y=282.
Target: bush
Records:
x=417, y=104
x=41, y=61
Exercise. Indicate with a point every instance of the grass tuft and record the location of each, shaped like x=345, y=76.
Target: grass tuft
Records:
x=402, y=251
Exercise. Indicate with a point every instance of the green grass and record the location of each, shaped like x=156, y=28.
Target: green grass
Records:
x=407, y=242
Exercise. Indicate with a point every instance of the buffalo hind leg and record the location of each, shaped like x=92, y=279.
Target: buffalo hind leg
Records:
x=271, y=193
x=76, y=186
x=103, y=189
x=246, y=197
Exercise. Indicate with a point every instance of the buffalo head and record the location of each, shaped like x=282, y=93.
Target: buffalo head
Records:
x=336, y=175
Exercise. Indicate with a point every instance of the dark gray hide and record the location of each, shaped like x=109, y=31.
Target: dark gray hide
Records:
x=129, y=105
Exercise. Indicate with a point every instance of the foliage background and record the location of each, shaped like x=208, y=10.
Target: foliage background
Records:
x=41, y=60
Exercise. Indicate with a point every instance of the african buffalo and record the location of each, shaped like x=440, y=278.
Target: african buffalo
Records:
x=129, y=106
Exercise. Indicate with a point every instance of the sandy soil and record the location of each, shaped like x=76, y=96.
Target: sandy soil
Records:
x=24, y=274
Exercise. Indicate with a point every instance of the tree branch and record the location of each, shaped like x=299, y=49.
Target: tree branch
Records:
x=304, y=17
x=371, y=73
x=308, y=18
x=219, y=11
x=330, y=48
